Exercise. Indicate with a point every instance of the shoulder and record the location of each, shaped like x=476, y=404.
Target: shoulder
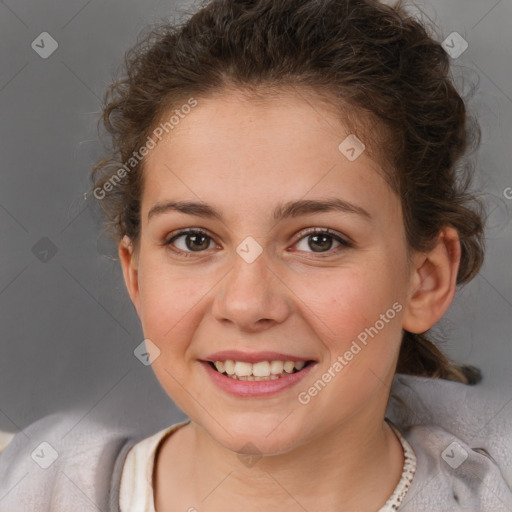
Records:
x=462, y=436
x=476, y=413
x=64, y=461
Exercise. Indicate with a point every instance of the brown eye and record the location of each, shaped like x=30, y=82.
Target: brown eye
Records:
x=192, y=240
x=324, y=242
x=321, y=241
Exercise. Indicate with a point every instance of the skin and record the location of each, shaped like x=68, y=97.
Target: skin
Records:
x=244, y=158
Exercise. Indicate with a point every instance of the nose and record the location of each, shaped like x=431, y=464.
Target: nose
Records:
x=252, y=296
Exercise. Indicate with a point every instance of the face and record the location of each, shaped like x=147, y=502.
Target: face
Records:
x=264, y=284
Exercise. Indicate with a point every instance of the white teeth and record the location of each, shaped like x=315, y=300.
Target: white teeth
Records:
x=289, y=366
x=243, y=369
x=262, y=370
x=276, y=367
x=229, y=367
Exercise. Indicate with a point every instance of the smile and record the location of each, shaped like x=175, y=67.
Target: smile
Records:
x=260, y=371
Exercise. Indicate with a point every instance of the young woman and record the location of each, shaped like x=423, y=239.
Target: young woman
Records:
x=286, y=191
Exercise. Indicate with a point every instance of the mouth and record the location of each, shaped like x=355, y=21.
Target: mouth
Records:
x=259, y=371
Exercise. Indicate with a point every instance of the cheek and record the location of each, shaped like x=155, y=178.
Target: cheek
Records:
x=169, y=305
x=171, y=310
x=346, y=302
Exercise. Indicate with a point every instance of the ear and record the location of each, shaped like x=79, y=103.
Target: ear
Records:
x=433, y=283
x=129, y=265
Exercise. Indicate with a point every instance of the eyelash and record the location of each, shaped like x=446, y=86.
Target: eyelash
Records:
x=344, y=244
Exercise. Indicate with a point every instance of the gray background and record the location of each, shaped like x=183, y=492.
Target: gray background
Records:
x=68, y=327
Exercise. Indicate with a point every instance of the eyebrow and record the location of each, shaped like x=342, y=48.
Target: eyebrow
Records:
x=282, y=211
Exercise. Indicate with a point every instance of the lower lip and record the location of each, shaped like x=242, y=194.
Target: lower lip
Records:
x=253, y=388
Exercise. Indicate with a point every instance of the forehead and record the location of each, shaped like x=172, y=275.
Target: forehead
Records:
x=252, y=151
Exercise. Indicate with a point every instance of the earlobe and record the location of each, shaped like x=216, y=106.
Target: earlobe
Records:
x=433, y=283
x=128, y=258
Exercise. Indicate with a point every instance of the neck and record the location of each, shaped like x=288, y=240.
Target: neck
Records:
x=349, y=467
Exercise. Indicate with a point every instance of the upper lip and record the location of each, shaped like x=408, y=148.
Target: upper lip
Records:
x=253, y=357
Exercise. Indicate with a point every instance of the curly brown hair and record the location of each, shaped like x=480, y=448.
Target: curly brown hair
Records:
x=376, y=65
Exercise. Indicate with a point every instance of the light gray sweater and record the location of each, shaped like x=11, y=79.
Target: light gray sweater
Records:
x=462, y=437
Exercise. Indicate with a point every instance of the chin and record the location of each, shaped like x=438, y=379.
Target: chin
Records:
x=256, y=439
